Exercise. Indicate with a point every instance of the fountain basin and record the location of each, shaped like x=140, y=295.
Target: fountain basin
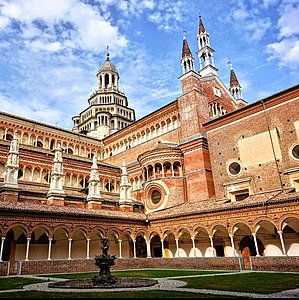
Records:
x=120, y=282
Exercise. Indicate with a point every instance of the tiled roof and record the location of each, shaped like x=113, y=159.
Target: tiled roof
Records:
x=68, y=210
x=210, y=206
x=233, y=79
x=201, y=27
x=186, y=52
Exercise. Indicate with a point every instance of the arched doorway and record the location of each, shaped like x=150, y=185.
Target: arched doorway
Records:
x=140, y=246
x=247, y=246
x=9, y=247
x=156, y=247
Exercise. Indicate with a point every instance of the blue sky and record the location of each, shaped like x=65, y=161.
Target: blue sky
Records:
x=51, y=50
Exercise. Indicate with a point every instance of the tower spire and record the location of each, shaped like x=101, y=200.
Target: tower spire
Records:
x=56, y=192
x=12, y=164
x=125, y=200
x=187, y=60
x=201, y=26
x=234, y=85
x=205, y=53
x=94, y=180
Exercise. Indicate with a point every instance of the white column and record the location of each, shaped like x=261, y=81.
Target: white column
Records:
x=49, y=248
x=162, y=245
x=148, y=249
x=119, y=247
x=134, y=248
x=212, y=245
x=2, y=245
x=193, y=246
x=27, y=249
x=233, y=244
x=177, y=247
x=87, y=248
x=70, y=248
x=110, y=81
x=255, y=244
x=282, y=242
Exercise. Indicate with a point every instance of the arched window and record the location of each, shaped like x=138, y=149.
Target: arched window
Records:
x=106, y=80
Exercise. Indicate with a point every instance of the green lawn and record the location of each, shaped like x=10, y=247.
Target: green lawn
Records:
x=8, y=283
x=114, y=295
x=255, y=282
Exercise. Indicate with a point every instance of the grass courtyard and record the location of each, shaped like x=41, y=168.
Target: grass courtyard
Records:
x=248, y=282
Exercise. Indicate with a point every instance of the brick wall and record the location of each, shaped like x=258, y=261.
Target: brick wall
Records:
x=225, y=148
x=88, y=265
x=4, y=266
x=275, y=263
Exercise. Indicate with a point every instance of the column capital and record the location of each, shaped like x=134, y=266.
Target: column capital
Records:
x=28, y=239
x=3, y=238
x=279, y=231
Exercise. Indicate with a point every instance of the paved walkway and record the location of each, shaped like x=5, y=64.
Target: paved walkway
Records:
x=166, y=284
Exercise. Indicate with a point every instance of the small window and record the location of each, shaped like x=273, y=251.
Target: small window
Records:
x=156, y=197
x=217, y=92
x=234, y=168
x=295, y=152
x=242, y=196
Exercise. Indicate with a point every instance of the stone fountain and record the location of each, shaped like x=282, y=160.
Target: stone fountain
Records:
x=104, y=262
x=104, y=279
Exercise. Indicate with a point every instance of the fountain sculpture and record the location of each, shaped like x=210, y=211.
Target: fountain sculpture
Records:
x=104, y=262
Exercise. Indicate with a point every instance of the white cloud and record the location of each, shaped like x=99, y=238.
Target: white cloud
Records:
x=168, y=15
x=286, y=49
x=33, y=109
x=38, y=45
x=249, y=19
x=286, y=52
x=4, y=21
x=80, y=25
x=240, y=14
x=258, y=28
x=288, y=22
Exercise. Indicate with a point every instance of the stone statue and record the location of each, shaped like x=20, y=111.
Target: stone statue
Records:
x=105, y=246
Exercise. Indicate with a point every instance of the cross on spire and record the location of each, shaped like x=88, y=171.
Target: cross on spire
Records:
x=107, y=52
x=230, y=63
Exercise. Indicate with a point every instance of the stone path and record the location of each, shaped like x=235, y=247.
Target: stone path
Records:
x=166, y=284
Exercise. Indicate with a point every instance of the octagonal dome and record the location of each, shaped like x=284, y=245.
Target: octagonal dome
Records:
x=108, y=66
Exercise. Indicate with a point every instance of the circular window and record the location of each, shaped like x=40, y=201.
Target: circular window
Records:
x=156, y=197
x=295, y=152
x=234, y=168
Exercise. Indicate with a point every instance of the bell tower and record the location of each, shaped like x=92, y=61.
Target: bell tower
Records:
x=108, y=109
x=187, y=60
x=234, y=85
x=205, y=53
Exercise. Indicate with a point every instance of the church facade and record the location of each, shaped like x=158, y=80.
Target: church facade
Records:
x=207, y=175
